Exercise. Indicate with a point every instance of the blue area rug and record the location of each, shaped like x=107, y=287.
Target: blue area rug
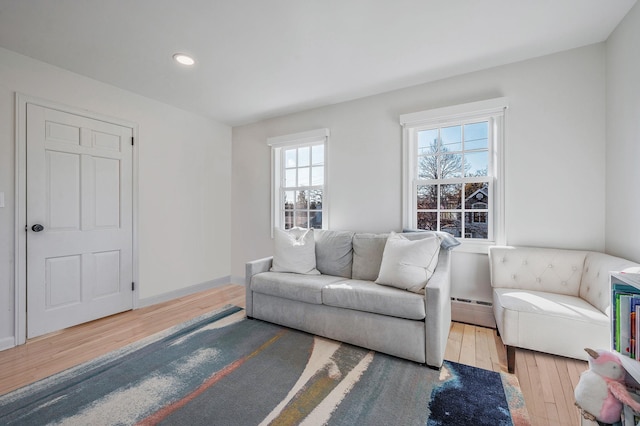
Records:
x=222, y=369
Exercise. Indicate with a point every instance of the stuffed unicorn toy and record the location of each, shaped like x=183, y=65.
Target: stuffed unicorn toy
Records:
x=601, y=393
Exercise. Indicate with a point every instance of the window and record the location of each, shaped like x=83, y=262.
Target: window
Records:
x=453, y=171
x=299, y=188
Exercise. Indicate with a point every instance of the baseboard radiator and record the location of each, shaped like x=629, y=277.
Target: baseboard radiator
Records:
x=475, y=312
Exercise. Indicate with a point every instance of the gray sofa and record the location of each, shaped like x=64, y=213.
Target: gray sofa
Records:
x=344, y=303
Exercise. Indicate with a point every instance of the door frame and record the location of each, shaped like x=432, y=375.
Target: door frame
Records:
x=20, y=238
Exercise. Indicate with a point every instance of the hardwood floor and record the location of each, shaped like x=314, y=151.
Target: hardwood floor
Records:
x=547, y=381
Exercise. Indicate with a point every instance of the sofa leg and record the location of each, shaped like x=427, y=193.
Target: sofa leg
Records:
x=511, y=359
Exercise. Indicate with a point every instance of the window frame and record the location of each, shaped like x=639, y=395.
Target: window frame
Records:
x=278, y=146
x=493, y=111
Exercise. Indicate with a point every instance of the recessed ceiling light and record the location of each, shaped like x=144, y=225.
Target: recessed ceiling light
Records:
x=184, y=59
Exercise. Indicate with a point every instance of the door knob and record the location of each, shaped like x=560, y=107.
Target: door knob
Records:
x=37, y=227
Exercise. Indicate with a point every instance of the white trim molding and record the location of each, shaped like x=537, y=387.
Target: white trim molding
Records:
x=299, y=138
x=493, y=110
x=20, y=241
x=451, y=113
x=277, y=143
x=185, y=291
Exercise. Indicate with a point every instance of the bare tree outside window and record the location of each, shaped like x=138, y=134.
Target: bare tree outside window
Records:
x=452, y=171
x=446, y=175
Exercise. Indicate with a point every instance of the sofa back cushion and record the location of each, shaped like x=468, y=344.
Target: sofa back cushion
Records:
x=367, y=255
x=334, y=252
x=595, y=278
x=539, y=269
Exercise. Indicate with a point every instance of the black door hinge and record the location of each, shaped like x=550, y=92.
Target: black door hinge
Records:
x=133, y=286
x=132, y=140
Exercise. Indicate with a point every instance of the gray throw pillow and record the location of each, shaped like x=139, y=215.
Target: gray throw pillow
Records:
x=447, y=241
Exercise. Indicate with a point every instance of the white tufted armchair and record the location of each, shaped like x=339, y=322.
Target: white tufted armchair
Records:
x=551, y=300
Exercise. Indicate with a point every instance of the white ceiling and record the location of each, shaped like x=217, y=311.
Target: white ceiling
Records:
x=262, y=58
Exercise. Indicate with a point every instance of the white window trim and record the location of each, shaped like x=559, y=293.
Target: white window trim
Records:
x=442, y=116
x=295, y=139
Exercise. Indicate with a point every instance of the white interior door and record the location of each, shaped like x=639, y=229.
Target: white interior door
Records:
x=79, y=219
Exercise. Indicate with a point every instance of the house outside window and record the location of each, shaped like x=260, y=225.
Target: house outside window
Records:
x=453, y=180
x=299, y=190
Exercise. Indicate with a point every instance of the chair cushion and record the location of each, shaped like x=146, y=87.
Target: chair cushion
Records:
x=370, y=297
x=548, y=322
x=305, y=288
x=334, y=252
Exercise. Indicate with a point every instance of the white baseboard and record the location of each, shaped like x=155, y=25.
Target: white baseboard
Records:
x=142, y=303
x=7, y=343
x=473, y=313
x=235, y=279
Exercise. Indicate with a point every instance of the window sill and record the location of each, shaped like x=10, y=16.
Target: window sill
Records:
x=478, y=247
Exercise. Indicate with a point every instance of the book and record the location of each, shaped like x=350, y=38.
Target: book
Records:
x=635, y=302
x=625, y=324
x=617, y=290
x=637, y=329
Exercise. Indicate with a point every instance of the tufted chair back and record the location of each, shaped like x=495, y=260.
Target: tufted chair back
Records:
x=537, y=269
x=595, y=278
x=584, y=274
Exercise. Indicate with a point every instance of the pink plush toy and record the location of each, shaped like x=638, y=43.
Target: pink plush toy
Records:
x=601, y=392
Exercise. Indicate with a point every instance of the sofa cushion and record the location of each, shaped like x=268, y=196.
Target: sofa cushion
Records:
x=367, y=255
x=294, y=251
x=408, y=265
x=334, y=252
x=370, y=297
x=549, y=304
x=305, y=288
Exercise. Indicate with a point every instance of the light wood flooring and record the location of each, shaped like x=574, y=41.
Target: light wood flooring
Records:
x=547, y=381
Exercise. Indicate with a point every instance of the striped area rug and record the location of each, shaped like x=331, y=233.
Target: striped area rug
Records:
x=222, y=369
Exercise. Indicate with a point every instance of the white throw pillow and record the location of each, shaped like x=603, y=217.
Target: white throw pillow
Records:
x=294, y=251
x=408, y=264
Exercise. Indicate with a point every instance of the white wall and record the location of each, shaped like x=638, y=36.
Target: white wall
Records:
x=184, y=180
x=623, y=138
x=555, y=132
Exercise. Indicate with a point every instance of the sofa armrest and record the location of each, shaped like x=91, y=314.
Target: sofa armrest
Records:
x=438, y=309
x=256, y=267
x=252, y=268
